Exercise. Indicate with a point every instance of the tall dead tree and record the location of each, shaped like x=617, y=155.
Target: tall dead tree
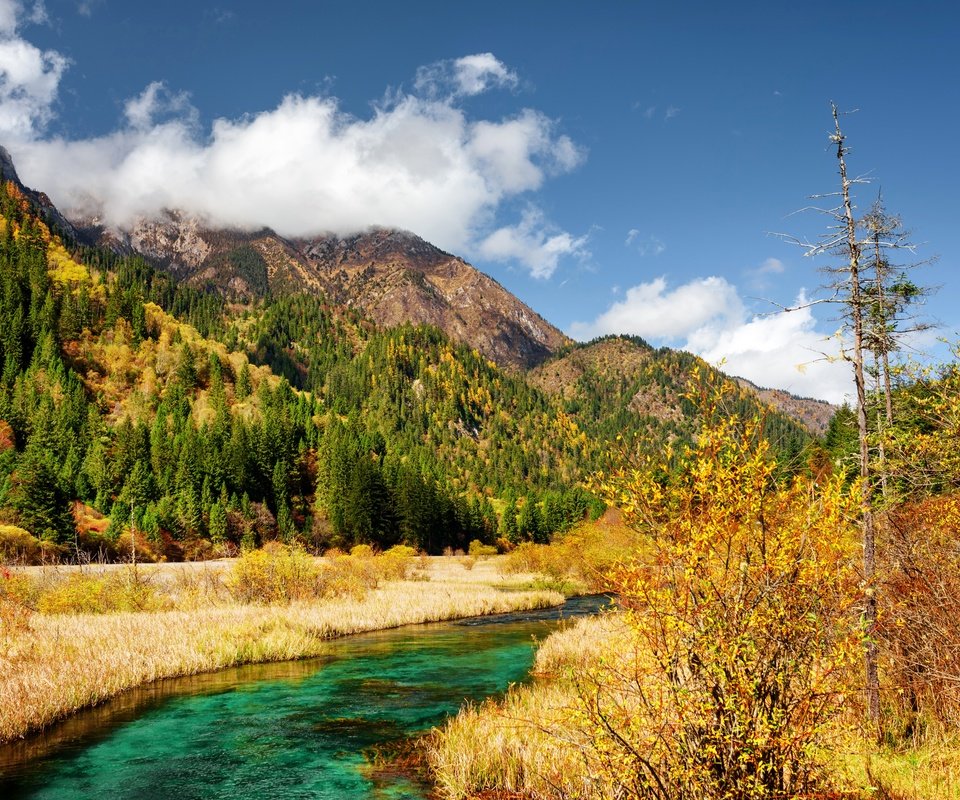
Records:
x=877, y=299
x=852, y=250
x=847, y=283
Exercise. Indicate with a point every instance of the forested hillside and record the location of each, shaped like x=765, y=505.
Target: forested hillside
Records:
x=132, y=406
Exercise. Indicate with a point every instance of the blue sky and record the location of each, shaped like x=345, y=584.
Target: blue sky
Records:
x=619, y=166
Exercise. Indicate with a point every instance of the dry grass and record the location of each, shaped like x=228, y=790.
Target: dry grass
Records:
x=580, y=645
x=54, y=664
x=927, y=772
x=514, y=745
x=529, y=744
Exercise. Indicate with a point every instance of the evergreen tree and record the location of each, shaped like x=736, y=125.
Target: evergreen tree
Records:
x=42, y=506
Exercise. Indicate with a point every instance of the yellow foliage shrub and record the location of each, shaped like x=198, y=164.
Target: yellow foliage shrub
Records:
x=275, y=573
x=347, y=576
x=126, y=589
x=478, y=548
x=742, y=610
x=397, y=563
x=364, y=569
x=584, y=556
x=18, y=546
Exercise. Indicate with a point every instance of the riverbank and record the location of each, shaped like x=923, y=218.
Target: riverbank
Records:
x=533, y=742
x=54, y=664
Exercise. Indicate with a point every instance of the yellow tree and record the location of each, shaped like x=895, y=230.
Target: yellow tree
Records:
x=740, y=612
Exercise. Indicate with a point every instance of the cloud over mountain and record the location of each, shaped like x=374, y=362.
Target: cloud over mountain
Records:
x=418, y=161
x=707, y=316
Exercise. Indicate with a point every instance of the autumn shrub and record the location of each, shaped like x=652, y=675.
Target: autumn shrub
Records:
x=130, y=545
x=362, y=551
x=479, y=549
x=397, y=563
x=594, y=549
x=538, y=558
x=16, y=600
x=920, y=603
x=18, y=546
x=356, y=574
x=741, y=610
x=126, y=589
x=275, y=573
x=580, y=559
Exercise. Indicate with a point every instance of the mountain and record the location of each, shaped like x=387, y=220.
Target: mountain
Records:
x=620, y=386
x=40, y=202
x=813, y=414
x=136, y=394
x=388, y=276
x=113, y=405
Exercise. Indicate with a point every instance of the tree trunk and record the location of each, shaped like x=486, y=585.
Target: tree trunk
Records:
x=871, y=671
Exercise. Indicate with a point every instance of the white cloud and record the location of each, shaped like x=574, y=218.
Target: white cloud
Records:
x=783, y=350
x=534, y=243
x=652, y=311
x=419, y=162
x=772, y=266
x=9, y=15
x=465, y=77
x=515, y=153
x=145, y=110
x=29, y=77
x=760, y=278
x=706, y=316
x=671, y=112
x=477, y=73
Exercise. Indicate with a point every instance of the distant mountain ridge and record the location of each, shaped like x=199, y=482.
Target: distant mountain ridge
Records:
x=43, y=204
x=389, y=276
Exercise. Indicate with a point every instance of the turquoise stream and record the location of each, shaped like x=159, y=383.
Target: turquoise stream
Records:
x=305, y=729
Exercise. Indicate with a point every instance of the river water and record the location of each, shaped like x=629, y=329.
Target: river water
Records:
x=303, y=729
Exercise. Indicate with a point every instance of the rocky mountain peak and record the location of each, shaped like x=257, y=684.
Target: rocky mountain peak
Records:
x=391, y=276
x=375, y=246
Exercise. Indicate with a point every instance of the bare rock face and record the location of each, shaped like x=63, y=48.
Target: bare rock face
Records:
x=814, y=415
x=395, y=277
x=177, y=240
x=389, y=276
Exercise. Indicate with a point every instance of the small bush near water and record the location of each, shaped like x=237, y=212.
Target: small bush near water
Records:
x=281, y=574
